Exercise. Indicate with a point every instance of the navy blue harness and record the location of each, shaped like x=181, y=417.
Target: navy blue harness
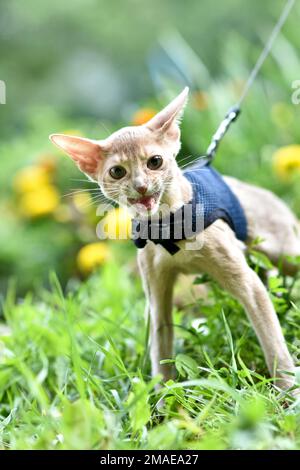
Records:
x=214, y=198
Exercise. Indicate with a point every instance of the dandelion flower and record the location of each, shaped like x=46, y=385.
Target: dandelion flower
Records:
x=41, y=202
x=92, y=256
x=30, y=178
x=286, y=161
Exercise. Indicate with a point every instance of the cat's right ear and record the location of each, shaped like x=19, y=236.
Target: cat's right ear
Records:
x=166, y=122
x=86, y=153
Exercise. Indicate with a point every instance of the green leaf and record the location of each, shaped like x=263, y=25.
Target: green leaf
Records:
x=139, y=408
x=186, y=366
x=260, y=259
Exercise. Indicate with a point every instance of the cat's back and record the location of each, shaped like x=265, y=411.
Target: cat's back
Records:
x=264, y=210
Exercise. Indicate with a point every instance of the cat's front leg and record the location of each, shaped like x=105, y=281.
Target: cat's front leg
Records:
x=158, y=282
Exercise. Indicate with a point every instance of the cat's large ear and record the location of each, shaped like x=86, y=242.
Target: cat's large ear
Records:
x=86, y=153
x=166, y=122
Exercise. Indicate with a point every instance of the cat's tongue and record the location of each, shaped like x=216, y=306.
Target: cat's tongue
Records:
x=147, y=201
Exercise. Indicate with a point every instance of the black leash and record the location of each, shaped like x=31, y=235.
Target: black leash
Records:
x=235, y=111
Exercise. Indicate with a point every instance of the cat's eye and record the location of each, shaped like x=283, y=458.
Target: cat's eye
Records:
x=155, y=162
x=117, y=172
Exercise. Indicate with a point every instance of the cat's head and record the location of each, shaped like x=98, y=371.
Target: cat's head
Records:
x=135, y=165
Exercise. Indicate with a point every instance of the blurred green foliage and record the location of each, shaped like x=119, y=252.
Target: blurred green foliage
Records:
x=89, y=57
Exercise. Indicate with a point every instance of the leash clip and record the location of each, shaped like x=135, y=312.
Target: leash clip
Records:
x=233, y=113
x=230, y=117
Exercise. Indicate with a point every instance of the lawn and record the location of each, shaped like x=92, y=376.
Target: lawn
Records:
x=75, y=371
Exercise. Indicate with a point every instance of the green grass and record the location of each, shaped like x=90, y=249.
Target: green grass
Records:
x=74, y=372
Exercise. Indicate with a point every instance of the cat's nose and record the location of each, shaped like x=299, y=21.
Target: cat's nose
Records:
x=141, y=189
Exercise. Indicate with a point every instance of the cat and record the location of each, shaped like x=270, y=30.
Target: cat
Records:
x=138, y=164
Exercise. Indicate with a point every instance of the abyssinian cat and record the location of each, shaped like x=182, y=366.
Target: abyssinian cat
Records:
x=138, y=165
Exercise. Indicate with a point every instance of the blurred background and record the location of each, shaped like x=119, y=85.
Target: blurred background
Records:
x=89, y=67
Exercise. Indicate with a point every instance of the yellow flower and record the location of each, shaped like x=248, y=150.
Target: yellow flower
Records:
x=117, y=224
x=286, y=161
x=40, y=202
x=142, y=116
x=30, y=178
x=91, y=256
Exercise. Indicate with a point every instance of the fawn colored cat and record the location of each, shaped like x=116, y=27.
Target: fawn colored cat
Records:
x=138, y=165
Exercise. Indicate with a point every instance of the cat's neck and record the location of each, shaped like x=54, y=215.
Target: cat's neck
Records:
x=177, y=193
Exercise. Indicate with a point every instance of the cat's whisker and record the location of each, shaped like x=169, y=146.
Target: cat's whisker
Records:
x=98, y=196
x=196, y=169
x=104, y=127
x=183, y=160
x=106, y=207
x=113, y=186
x=80, y=191
x=193, y=162
x=94, y=201
x=114, y=190
x=84, y=181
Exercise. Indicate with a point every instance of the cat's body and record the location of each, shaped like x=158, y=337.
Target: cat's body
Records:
x=270, y=219
x=139, y=163
x=223, y=257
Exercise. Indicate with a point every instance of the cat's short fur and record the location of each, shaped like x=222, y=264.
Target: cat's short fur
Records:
x=219, y=254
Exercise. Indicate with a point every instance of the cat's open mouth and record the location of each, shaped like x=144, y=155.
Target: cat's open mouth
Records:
x=147, y=201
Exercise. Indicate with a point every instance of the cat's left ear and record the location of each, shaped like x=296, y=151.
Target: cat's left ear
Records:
x=166, y=122
x=86, y=153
